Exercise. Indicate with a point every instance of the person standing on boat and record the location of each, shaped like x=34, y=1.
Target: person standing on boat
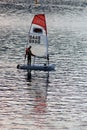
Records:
x=29, y=54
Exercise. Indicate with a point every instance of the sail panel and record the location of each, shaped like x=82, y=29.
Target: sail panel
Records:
x=38, y=35
x=40, y=20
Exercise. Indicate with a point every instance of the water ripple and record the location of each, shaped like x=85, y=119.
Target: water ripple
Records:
x=44, y=101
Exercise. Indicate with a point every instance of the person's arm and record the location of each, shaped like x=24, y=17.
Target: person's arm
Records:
x=32, y=54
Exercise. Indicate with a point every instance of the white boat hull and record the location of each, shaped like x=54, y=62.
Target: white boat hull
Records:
x=50, y=67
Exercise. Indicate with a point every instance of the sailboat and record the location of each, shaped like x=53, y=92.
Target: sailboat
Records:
x=37, y=38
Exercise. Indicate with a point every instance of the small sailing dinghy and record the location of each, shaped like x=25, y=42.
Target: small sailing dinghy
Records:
x=39, y=42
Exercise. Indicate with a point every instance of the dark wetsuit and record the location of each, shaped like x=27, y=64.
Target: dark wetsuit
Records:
x=29, y=54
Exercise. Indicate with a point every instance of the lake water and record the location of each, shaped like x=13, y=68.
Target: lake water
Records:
x=56, y=100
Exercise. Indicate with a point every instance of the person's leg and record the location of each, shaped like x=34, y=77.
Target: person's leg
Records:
x=29, y=61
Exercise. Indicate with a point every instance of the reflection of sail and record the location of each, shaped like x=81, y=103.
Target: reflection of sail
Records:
x=38, y=98
x=40, y=94
x=40, y=103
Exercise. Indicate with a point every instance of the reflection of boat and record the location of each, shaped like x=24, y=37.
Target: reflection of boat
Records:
x=38, y=41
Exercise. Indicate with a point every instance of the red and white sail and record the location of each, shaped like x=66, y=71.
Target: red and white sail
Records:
x=38, y=35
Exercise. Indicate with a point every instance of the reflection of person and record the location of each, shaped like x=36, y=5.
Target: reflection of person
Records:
x=29, y=54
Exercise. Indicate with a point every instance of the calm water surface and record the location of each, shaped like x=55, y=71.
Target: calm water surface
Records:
x=55, y=100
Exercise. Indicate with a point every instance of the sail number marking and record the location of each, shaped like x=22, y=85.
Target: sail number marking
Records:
x=34, y=39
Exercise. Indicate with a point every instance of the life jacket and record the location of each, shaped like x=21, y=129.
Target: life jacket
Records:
x=27, y=51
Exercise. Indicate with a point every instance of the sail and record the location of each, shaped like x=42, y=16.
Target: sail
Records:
x=38, y=35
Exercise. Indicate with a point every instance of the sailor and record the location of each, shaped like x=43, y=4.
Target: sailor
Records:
x=29, y=54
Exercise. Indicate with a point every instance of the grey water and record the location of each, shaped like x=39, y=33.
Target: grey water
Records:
x=56, y=100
